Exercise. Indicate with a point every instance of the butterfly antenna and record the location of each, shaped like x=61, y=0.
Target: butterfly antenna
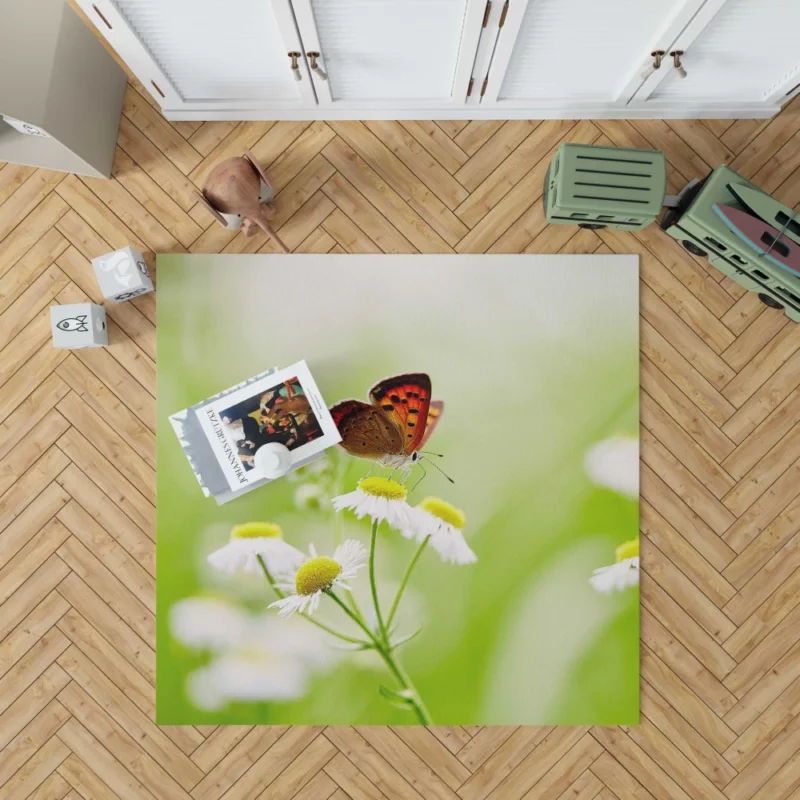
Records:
x=433, y=464
x=428, y=453
x=421, y=477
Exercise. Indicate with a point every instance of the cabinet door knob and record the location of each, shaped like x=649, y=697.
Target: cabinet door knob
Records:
x=315, y=68
x=294, y=55
x=657, y=55
x=676, y=61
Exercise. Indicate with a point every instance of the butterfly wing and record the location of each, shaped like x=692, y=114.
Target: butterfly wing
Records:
x=365, y=431
x=434, y=415
x=405, y=400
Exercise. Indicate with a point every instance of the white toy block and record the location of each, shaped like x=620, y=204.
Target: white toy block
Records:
x=78, y=325
x=25, y=127
x=122, y=274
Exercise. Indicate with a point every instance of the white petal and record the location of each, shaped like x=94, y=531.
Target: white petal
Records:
x=309, y=496
x=207, y=623
x=351, y=557
x=614, y=463
x=228, y=558
x=242, y=554
x=616, y=577
x=204, y=690
x=399, y=515
x=450, y=544
x=422, y=524
x=247, y=676
x=271, y=677
x=396, y=512
x=351, y=501
x=293, y=639
x=314, y=602
x=296, y=603
x=280, y=556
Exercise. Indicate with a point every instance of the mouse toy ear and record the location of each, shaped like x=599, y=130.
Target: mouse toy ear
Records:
x=257, y=167
x=214, y=213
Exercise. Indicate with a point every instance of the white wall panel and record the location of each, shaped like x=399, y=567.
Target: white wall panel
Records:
x=389, y=49
x=583, y=49
x=750, y=48
x=228, y=49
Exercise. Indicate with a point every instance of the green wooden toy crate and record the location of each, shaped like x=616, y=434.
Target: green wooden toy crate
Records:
x=698, y=228
x=599, y=187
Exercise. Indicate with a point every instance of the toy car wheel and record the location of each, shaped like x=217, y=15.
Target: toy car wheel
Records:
x=769, y=301
x=592, y=226
x=693, y=248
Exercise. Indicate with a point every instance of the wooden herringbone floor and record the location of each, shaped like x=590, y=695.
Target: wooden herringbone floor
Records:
x=720, y=490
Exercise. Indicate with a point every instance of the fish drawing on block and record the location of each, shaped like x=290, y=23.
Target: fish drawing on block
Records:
x=763, y=238
x=74, y=324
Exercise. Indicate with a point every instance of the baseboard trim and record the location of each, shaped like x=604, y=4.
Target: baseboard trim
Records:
x=697, y=111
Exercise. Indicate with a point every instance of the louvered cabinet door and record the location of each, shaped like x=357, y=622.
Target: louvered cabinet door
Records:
x=557, y=54
x=389, y=54
x=196, y=55
x=737, y=51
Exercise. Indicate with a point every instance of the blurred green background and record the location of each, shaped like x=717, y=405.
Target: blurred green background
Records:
x=536, y=358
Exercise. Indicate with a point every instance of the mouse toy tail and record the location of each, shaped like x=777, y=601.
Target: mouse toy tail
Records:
x=268, y=229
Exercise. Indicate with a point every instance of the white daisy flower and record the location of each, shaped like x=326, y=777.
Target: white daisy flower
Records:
x=294, y=639
x=623, y=574
x=248, y=674
x=255, y=539
x=379, y=499
x=260, y=659
x=614, y=464
x=316, y=468
x=309, y=496
x=207, y=622
x=319, y=574
x=444, y=523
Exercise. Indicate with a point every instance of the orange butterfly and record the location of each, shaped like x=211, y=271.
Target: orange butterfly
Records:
x=395, y=427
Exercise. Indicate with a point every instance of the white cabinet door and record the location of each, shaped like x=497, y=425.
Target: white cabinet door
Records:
x=205, y=54
x=558, y=54
x=736, y=51
x=387, y=54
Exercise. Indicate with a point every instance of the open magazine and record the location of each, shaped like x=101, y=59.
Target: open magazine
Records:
x=221, y=435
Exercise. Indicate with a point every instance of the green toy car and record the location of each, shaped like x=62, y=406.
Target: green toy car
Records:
x=701, y=231
x=605, y=187
x=622, y=188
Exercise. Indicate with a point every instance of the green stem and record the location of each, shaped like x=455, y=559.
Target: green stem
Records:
x=420, y=708
x=406, y=576
x=354, y=603
x=372, y=583
x=268, y=576
x=394, y=666
x=319, y=624
x=356, y=618
x=338, y=536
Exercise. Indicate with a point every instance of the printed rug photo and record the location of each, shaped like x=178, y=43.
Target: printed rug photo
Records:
x=467, y=555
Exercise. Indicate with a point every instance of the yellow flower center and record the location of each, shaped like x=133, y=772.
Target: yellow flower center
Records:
x=628, y=550
x=254, y=655
x=316, y=575
x=383, y=487
x=257, y=530
x=444, y=511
